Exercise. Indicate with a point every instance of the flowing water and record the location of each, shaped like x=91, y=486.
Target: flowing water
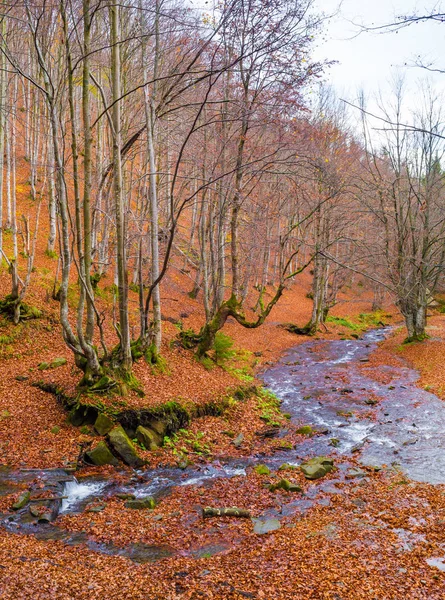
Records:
x=321, y=384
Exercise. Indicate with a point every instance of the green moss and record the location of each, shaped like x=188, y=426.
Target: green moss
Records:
x=305, y=430
x=343, y=322
x=101, y=455
x=27, y=312
x=285, y=484
x=262, y=470
x=51, y=253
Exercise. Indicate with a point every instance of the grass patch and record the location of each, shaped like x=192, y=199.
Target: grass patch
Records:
x=343, y=322
x=364, y=321
x=268, y=405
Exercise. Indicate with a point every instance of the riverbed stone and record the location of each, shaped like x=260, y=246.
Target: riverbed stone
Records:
x=123, y=446
x=285, y=484
x=355, y=473
x=317, y=467
x=141, y=503
x=21, y=501
x=103, y=424
x=147, y=437
x=262, y=526
x=101, y=455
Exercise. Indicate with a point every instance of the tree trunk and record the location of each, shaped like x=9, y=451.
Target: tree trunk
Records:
x=119, y=205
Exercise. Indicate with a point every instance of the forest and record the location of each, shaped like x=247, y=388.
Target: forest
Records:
x=222, y=305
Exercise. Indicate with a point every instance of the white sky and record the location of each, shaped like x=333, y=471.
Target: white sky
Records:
x=369, y=60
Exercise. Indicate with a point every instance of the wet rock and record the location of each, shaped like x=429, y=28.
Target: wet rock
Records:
x=96, y=508
x=148, y=438
x=103, y=424
x=357, y=447
x=322, y=431
x=21, y=501
x=101, y=455
x=141, y=503
x=285, y=484
x=355, y=473
x=262, y=470
x=238, y=440
x=317, y=467
x=262, y=526
x=124, y=447
x=41, y=513
x=410, y=442
x=124, y=496
x=287, y=466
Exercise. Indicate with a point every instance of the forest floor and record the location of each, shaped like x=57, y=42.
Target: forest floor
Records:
x=350, y=547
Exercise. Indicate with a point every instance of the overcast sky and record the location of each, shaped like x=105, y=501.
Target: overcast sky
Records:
x=370, y=59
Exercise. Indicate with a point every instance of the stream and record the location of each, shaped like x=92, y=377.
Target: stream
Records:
x=320, y=384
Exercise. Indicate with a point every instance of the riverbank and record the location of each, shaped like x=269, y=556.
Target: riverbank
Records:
x=425, y=357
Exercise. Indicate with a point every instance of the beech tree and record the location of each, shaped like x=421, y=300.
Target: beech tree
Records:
x=405, y=195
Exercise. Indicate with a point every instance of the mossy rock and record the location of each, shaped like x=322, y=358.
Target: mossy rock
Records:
x=141, y=503
x=262, y=470
x=305, y=430
x=58, y=362
x=124, y=447
x=21, y=501
x=149, y=439
x=101, y=455
x=285, y=484
x=287, y=467
x=317, y=467
x=103, y=424
x=7, y=307
x=158, y=426
x=125, y=496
